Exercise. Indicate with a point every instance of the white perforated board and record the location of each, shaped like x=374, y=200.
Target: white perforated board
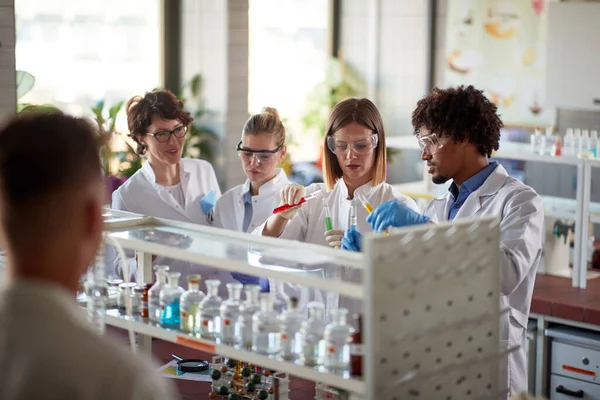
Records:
x=432, y=312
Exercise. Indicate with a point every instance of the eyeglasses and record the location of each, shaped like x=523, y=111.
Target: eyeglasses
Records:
x=163, y=136
x=261, y=156
x=430, y=144
x=360, y=147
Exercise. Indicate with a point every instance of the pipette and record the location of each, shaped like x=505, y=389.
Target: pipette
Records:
x=369, y=209
x=303, y=200
x=328, y=224
x=353, y=216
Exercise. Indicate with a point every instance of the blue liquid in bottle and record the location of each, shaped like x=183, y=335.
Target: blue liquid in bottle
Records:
x=170, y=316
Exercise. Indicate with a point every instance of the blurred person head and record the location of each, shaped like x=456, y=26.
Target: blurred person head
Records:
x=51, y=196
x=262, y=146
x=158, y=123
x=458, y=129
x=355, y=140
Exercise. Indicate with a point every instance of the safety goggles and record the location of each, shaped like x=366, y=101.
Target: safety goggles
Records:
x=261, y=156
x=163, y=136
x=363, y=146
x=431, y=143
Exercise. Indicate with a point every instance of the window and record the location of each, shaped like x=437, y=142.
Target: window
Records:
x=288, y=57
x=81, y=52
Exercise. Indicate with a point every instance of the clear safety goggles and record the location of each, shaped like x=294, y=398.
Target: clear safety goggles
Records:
x=431, y=143
x=261, y=156
x=363, y=146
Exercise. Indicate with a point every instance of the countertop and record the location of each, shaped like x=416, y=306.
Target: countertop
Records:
x=556, y=297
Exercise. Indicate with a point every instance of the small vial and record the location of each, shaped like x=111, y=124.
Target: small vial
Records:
x=328, y=223
x=291, y=339
x=169, y=301
x=353, y=216
x=265, y=327
x=190, y=303
x=247, y=310
x=337, y=333
x=230, y=312
x=209, y=310
x=313, y=345
x=154, y=293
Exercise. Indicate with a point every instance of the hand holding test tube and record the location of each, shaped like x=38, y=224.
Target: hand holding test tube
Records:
x=303, y=200
x=333, y=237
x=369, y=209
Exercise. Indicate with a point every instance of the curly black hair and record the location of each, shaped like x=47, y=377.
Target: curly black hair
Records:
x=460, y=113
x=159, y=103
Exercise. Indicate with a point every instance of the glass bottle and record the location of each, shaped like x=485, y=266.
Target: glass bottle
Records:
x=247, y=310
x=97, y=292
x=585, y=141
x=209, y=310
x=190, y=302
x=265, y=327
x=169, y=301
x=154, y=293
x=336, y=337
x=594, y=143
x=291, y=339
x=356, y=347
x=230, y=311
x=313, y=345
x=536, y=142
x=569, y=148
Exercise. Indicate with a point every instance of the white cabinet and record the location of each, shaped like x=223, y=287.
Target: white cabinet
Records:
x=573, y=60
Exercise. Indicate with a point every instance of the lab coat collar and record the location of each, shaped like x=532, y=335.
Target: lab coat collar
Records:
x=269, y=186
x=148, y=172
x=363, y=191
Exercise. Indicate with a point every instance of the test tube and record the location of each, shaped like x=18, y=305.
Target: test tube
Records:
x=369, y=209
x=353, y=216
x=328, y=224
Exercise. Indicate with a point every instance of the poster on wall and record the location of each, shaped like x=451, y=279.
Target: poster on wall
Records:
x=499, y=46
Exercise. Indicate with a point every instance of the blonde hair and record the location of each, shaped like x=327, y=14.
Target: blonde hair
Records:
x=362, y=112
x=266, y=123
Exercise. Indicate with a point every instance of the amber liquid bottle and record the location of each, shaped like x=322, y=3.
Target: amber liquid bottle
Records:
x=356, y=348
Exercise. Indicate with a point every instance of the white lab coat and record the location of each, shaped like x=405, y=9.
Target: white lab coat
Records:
x=522, y=216
x=229, y=210
x=309, y=226
x=141, y=194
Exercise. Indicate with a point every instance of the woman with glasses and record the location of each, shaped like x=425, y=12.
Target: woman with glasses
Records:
x=167, y=185
x=261, y=150
x=354, y=168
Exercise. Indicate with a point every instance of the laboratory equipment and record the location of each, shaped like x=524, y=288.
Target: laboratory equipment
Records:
x=313, y=345
x=353, y=216
x=190, y=365
x=328, y=223
x=125, y=291
x=265, y=327
x=230, y=312
x=209, y=310
x=97, y=292
x=547, y=142
x=569, y=143
x=291, y=339
x=190, y=303
x=594, y=143
x=136, y=296
x=586, y=142
x=536, y=142
x=369, y=209
x=154, y=310
x=247, y=310
x=170, y=296
x=557, y=149
x=356, y=347
x=145, y=310
x=577, y=141
x=303, y=200
x=336, y=335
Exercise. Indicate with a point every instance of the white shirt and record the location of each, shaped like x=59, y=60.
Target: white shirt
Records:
x=309, y=226
x=49, y=352
x=141, y=194
x=229, y=211
x=521, y=228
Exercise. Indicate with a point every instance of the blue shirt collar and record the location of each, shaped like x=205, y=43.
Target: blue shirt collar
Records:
x=247, y=197
x=474, y=182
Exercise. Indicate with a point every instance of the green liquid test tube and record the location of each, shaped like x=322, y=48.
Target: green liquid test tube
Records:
x=328, y=224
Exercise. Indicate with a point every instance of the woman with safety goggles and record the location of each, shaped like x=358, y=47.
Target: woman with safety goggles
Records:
x=354, y=168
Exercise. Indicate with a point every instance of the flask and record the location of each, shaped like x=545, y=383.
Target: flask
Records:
x=291, y=339
x=230, y=312
x=313, y=345
x=265, y=327
x=169, y=301
x=247, y=310
x=336, y=336
x=154, y=293
x=190, y=303
x=209, y=310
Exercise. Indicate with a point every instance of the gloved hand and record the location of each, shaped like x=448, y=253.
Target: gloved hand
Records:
x=352, y=240
x=394, y=213
x=334, y=238
x=252, y=280
x=291, y=194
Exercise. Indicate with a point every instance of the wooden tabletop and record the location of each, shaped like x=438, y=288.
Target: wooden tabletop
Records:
x=555, y=296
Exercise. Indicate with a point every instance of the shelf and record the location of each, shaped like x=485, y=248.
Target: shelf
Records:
x=291, y=261
x=316, y=374
x=508, y=150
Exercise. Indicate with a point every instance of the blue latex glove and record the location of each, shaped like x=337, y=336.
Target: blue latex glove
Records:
x=252, y=280
x=394, y=213
x=208, y=202
x=352, y=240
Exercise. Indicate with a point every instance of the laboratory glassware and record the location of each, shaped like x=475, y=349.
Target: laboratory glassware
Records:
x=247, y=310
x=291, y=339
x=209, y=310
x=265, y=326
x=154, y=310
x=336, y=335
x=169, y=301
x=230, y=311
x=190, y=303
